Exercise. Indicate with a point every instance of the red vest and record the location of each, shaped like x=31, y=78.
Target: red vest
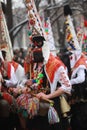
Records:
x=52, y=65
x=81, y=61
x=15, y=65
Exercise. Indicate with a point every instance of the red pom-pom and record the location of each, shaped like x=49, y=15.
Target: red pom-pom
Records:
x=32, y=22
x=85, y=23
x=30, y=37
x=84, y=37
x=39, y=86
x=41, y=81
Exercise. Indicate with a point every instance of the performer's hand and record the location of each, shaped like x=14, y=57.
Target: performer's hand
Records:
x=10, y=89
x=15, y=91
x=29, y=82
x=42, y=95
x=25, y=90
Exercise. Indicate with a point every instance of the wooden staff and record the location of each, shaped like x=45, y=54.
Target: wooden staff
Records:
x=30, y=66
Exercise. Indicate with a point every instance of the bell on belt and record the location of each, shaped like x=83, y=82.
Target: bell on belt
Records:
x=65, y=107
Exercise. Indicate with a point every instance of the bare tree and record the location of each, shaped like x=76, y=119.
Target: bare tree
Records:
x=9, y=17
x=37, y=2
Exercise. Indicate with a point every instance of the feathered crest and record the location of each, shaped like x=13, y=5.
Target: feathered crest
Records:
x=71, y=37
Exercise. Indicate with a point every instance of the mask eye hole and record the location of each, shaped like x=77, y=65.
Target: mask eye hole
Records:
x=71, y=57
x=35, y=43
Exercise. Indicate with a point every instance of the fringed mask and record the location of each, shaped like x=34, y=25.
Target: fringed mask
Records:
x=37, y=55
x=38, y=41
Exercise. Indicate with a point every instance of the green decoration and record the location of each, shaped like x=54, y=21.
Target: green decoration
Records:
x=25, y=114
x=46, y=30
x=29, y=33
x=40, y=75
x=36, y=80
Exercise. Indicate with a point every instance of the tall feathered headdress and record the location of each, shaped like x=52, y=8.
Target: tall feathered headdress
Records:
x=36, y=31
x=71, y=37
x=35, y=26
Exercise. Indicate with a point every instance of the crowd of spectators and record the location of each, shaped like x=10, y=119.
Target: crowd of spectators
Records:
x=19, y=55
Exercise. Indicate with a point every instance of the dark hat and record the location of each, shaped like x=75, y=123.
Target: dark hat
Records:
x=38, y=38
x=67, y=10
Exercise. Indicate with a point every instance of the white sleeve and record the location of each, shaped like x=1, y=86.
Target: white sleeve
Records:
x=80, y=77
x=64, y=80
x=22, y=83
x=13, y=80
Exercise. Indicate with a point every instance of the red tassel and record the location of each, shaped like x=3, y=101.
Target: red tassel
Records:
x=85, y=23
